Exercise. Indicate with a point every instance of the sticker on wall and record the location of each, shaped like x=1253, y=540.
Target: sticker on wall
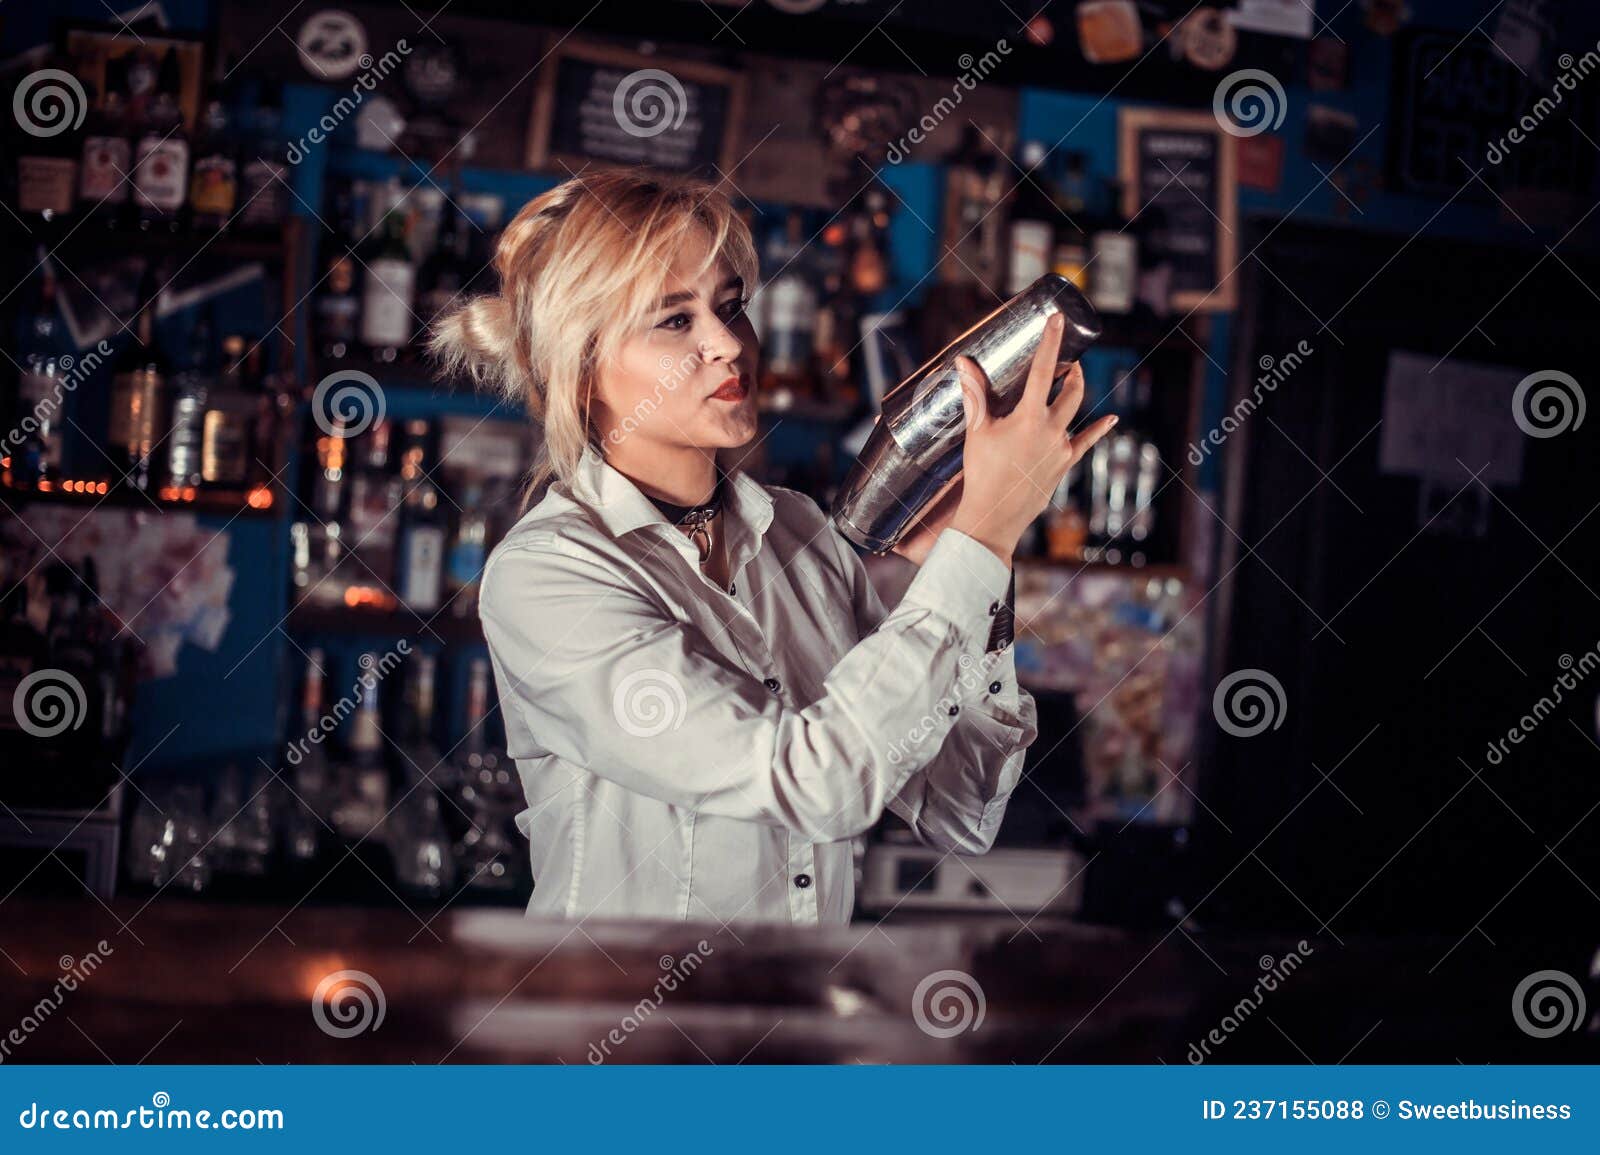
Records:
x=1261, y=162
x=333, y=45
x=1109, y=31
x=1276, y=17
x=1385, y=16
x=1523, y=32
x=1206, y=39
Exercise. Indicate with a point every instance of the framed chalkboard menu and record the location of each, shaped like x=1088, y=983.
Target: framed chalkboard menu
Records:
x=1179, y=176
x=602, y=105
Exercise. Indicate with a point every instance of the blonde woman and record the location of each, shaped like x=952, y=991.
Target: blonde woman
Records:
x=705, y=698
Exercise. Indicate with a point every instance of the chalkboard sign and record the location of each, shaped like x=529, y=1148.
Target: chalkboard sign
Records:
x=1180, y=168
x=1460, y=107
x=603, y=105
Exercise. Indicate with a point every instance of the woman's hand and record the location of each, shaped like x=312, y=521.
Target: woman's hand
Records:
x=1012, y=464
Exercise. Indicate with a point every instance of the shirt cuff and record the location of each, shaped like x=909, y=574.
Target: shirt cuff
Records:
x=962, y=581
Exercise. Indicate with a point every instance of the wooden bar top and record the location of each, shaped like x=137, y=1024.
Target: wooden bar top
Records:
x=176, y=981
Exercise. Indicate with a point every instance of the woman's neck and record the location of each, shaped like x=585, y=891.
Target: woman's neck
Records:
x=683, y=476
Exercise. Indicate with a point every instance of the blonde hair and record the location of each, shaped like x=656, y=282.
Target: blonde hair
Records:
x=581, y=268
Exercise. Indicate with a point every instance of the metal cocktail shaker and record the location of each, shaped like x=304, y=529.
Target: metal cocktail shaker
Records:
x=915, y=449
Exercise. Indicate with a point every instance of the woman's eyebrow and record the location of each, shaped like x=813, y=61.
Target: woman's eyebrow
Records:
x=678, y=298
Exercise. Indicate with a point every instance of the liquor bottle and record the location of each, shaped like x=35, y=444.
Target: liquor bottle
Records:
x=372, y=522
x=976, y=182
x=417, y=747
x=1032, y=232
x=214, y=182
x=487, y=855
x=161, y=161
x=47, y=165
x=264, y=193
x=226, y=442
x=447, y=272
x=337, y=310
x=35, y=458
x=1072, y=242
x=363, y=779
x=468, y=550
x=332, y=463
x=389, y=294
x=424, y=866
x=1113, y=255
x=138, y=387
x=1124, y=468
x=422, y=534
x=789, y=315
x=308, y=811
x=191, y=387
x=105, y=169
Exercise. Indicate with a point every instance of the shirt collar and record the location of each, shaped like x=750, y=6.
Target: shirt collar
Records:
x=623, y=509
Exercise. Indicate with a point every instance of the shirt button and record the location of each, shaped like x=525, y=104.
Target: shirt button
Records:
x=733, y=588
x=954, y=710
x=802, y=880
x=994, y=608
x=994, y=687
x=773, y=684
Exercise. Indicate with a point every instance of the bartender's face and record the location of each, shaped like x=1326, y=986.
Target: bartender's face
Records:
x=689, y=379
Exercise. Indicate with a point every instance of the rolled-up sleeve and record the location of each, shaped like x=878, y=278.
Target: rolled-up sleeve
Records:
x=600, y=674
x=956, y=799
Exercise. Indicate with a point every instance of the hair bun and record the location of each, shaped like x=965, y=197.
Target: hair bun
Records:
x=478, y=340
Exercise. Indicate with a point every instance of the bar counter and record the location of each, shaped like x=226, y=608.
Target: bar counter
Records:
x=189, y=981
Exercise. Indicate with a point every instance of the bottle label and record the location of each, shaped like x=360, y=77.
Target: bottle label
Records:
x=465, y=562
x=45, y=183
x=216, y=185
x=161, y=174
x=1030, y=253
x=386, y=303
x=105, y=169
x=224, y=448
x=265, y=192
x=420, y=567
x=1115, y=272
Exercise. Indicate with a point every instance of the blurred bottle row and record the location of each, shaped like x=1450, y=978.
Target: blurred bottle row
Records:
x=363, y=776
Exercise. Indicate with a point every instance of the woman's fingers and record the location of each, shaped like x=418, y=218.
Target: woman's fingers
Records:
x=974, y=391
x=1066, y=404
x=1084, y=440
x=1042, y=372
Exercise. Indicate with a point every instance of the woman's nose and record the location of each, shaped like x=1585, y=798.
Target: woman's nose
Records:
x=720, y=345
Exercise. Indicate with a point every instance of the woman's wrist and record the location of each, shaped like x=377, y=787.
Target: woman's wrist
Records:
x=972, y=526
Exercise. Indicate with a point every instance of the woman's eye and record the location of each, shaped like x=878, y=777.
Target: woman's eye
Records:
x=732, y=309
x=677, y=323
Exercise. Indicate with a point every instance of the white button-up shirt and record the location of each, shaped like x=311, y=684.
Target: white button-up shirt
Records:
x=694, y=752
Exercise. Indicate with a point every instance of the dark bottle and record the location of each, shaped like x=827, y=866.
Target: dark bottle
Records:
x=138, y=386
x=105, y=170
x=48, y=147
x=376, y=491
x=1031, y=234
x=191, y=389
x=1113, y=254
x=338, y=306
x=161, y=161
x=225, y=440
x=423, y=526
x=448, y=271
x=35, y=452
x=1072, y=241
x=214, y=180
x=388, y=297
x=264, y=193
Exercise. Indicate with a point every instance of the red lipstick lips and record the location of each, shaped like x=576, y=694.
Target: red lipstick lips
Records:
x=733, y=389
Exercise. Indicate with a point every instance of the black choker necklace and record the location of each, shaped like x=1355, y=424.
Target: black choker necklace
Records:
x=696, y=517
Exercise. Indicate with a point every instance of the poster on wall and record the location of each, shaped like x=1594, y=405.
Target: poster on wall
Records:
x=1182, y=168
